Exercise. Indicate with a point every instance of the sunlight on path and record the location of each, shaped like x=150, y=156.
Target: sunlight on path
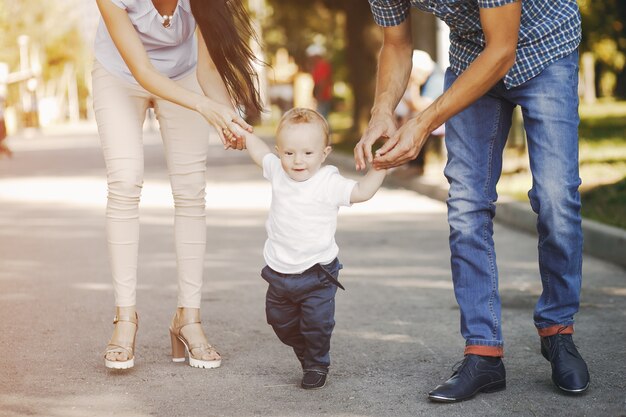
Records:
x=90, y=192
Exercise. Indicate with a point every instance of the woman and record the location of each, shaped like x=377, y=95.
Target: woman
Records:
x=146, y=55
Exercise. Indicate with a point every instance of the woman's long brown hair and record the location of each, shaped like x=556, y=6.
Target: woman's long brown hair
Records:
x=226, y=29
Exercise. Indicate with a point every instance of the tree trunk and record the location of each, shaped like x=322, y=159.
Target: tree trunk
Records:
x=588, y=77
x=362, y=47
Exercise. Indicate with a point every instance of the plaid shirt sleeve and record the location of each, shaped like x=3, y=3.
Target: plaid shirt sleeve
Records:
x=390, y=12
x=488, y=4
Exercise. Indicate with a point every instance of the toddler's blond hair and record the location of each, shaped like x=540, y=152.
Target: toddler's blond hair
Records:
x=299, y=115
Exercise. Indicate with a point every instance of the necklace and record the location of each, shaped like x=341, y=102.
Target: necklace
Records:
x=166, y=20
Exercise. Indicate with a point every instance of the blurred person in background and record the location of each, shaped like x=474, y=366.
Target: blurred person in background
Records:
x=146, y=52
x=425, y=85
x=503, y=53
x=322, y=74
x=4, y=149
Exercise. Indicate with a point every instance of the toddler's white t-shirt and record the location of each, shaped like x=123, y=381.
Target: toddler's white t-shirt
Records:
x=303, y=217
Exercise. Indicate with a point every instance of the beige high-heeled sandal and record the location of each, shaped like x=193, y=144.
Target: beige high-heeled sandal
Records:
x=122, y=346
x=180, y=346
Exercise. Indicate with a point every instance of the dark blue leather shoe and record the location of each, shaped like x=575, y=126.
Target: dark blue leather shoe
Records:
x=569, y=370
x=476, y=374
x=313, y=379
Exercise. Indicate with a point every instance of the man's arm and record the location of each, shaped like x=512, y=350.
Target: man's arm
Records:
x=500, y=26
x=394, y=69
x=367, y=186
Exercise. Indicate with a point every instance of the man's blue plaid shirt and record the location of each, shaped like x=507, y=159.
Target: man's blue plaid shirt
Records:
x=549, y=30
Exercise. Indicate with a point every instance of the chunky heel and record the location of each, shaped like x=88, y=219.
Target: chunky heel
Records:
x=181, y=347
x=178, y=348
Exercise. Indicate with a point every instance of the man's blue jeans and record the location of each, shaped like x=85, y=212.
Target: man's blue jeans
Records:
x=475, y=140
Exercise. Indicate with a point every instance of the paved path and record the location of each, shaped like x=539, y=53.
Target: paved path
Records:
x=397, y=323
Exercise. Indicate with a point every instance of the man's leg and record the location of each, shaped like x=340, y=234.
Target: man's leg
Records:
x=475, y=139
x=550, y=108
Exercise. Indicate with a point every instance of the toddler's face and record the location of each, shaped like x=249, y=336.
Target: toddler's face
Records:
x=302, y=149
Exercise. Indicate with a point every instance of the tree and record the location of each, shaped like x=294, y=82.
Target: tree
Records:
x=604, y=35
x=52, y=28
x=363, y=41
x=352, y=37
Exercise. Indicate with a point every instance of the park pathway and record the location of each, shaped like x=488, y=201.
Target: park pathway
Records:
x=397, y=322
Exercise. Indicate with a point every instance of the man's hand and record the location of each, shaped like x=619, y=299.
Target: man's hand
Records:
x=403, y=146
x=381, y=125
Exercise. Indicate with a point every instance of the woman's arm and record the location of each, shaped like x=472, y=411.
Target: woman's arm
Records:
x=500, y=26
x=213, y=85
x=208, y=76
x=219, y=114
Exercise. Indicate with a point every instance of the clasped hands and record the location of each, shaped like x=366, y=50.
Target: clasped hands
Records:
x=226, y=122
x=401, y=145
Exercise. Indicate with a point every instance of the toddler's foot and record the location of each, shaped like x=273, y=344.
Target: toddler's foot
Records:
x=313, y=379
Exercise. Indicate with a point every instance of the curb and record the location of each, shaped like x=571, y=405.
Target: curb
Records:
x=601, y=241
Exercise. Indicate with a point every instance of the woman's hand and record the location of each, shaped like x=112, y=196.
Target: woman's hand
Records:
x=380, y=126
x=226, y=122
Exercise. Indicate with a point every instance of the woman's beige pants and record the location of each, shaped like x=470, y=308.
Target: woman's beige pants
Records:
x=120, y=108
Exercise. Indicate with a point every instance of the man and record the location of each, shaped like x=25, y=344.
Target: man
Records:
x=497, y=60
x=322, y=74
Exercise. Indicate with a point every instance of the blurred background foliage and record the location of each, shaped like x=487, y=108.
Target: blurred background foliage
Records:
x=604, y=35
x=56, y=38
x=60, y=35
x=345, y=28
x=57, y=32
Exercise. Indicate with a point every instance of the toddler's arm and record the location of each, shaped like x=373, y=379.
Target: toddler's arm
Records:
x=256, y=147
x=367, y=186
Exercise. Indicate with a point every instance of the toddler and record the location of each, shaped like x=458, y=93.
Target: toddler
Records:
x=300, y=251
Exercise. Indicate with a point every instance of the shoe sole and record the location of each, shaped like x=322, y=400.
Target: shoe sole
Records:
x=487, y=389
x=119, y=364
x=195, y=363
x=572, y=391
x=312, y=387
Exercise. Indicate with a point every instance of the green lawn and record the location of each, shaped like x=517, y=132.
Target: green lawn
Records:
x=602, y=164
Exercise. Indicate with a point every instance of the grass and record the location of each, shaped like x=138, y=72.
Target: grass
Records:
x=602, y=144
x=607, y=204
x=603, y=162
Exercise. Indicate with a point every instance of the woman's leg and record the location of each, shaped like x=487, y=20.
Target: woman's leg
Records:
x=120, y=109
x=186, y=140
